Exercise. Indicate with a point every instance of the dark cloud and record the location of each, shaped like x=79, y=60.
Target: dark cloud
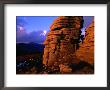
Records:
x=22, y=36
x=37, y=36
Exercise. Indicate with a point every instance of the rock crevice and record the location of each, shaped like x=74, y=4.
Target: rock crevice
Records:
x=86, y=49
x=62, y=41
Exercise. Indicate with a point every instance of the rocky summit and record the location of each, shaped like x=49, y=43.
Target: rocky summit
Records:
x=62, y=41
x=65, y=50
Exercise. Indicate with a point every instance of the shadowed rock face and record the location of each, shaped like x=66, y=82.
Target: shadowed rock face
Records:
x=86, y=48
x=62, y=41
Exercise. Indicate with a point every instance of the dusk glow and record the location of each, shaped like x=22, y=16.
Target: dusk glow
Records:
x=55, y=44
x=35, y=28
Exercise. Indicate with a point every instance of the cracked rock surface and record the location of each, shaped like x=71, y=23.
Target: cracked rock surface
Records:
x=62, y=40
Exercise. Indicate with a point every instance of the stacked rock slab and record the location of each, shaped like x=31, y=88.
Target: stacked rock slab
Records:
x=86, y=49
x=62, y=40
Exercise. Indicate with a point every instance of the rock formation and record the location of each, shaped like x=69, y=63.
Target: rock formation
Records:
x=86, y=47
x=62, y=41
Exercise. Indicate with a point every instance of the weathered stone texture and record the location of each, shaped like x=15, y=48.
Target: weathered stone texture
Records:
x=86, y=48
x=62, y=40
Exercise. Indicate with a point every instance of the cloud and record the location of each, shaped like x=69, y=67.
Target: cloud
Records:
x=22, y=36
x=38, y=36
x=34, y=36
x=20, y=22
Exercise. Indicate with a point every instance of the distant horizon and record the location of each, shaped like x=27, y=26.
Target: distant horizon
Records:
x=27, y=42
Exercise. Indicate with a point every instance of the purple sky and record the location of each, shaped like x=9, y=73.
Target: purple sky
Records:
x=35, y=28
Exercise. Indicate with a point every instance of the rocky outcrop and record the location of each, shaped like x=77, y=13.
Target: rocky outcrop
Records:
x=62, y=41
x=86, y=47
x=64, y=69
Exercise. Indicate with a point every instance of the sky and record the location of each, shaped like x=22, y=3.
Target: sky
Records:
x=35, y=28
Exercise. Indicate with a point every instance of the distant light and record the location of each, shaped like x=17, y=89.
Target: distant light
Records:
x=21, y=28
x=44, y=33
